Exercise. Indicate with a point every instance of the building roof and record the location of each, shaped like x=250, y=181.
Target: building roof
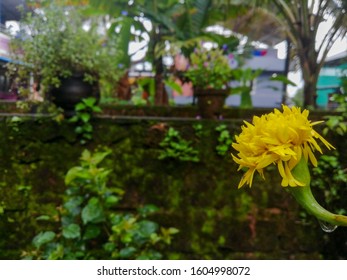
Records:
x=337, y=59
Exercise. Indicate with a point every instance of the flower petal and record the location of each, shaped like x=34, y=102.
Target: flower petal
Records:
x=282, y=138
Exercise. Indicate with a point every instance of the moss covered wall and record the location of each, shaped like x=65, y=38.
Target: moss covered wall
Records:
x=201, y=199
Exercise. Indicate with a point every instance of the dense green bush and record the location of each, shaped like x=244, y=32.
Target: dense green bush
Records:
x=91, y=226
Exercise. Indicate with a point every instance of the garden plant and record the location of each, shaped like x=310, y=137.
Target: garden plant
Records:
x=286, y=139
x=209, y=69
x=90, y=225
x=53, y=43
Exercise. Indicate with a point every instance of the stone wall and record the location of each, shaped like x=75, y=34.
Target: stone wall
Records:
x=201, y=199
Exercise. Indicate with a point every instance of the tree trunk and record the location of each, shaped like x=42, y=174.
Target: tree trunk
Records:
x=161, y=97
x=310, y=93
x=310, y=71
x=123, y=87
x=310, y=74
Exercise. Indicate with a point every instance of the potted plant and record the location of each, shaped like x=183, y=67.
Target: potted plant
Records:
x=210, y=73
x=64, y=52
x=245, y=78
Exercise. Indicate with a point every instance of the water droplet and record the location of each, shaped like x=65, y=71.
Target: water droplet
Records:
x=325, y=226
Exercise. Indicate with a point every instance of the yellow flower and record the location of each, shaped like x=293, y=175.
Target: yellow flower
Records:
x=281, y=138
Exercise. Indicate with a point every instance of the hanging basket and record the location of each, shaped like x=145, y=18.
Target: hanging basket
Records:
x=210, y=102
x=71, y=91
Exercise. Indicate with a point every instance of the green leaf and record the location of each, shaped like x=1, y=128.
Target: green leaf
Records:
x=116, y=219
x=173, y=85
x=166, y=234
x=97, y=109
x=86, y=156
x=147, y=209
x=85, y=117
x=79, y=130
x=23, y=188
x=109, y=247
x=149, y=255
x=16, y=119
x=87, y=127
x=98, y=157
x=127, y=252
x=146, y=228
x=57, y=253
x=92, y=231
x=115, y=190
x=43, y=238
x=72, y=231
x=90, y=101
x=283, y=79
x=173, y=230
x=73, y=205
x=87, y=136
x=221, y=127
x=75, y=172
x=93, y=212
x=73, y=119
x=43, y=218
x=80, y=106
x=124, y=38
x=112, y=200
x=127, y=238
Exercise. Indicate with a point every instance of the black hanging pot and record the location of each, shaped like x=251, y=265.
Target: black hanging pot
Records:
x=71, y=91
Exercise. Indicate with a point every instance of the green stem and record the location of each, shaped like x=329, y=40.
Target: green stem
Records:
x=305, y=198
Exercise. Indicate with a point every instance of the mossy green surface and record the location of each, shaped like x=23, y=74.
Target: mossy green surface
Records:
x=216, y=220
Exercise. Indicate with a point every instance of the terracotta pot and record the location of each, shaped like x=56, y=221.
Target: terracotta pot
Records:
x=71, y=91
x=210, y=102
